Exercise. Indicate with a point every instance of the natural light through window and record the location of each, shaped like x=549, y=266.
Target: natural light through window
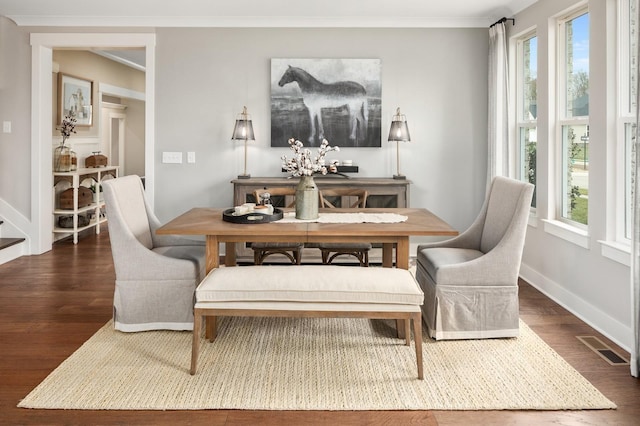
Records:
x=527, y=78
x=574, y=117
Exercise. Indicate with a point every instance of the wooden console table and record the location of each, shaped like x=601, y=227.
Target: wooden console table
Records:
x=383, y=193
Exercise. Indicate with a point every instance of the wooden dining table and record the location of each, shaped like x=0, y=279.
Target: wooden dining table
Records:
x=209, y=222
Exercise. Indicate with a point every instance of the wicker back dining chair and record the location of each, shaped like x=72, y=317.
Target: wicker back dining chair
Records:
x=292, y=250
x=348, y=198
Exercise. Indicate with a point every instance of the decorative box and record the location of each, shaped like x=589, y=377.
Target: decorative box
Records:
x=85, y=198
x=95, y=160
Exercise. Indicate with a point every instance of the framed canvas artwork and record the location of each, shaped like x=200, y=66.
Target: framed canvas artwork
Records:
x=75, y=98
x=335, y=99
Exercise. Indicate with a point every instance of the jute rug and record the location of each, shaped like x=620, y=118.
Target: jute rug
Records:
x=312, y=364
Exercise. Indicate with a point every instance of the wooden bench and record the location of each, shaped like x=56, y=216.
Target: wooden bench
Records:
x=322, y=291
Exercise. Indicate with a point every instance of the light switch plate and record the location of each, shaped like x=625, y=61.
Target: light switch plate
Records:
x=6, y=127
x=191, y=157
x=172, y=157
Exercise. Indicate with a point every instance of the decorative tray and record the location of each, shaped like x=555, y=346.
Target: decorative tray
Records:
x=229, y=215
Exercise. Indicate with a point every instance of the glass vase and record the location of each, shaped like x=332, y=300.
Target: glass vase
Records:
x=62, y=158
x=307, y=199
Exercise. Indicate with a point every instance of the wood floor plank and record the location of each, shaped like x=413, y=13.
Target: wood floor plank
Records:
x=52, y=303
x=342, y=418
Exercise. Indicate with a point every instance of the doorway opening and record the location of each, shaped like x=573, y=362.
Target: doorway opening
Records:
x=42, y=45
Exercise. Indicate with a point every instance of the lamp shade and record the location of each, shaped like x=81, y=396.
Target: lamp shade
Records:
x=399, y=131
x=243, y=129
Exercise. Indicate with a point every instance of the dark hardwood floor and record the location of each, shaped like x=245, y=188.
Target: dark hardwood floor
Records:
x=50, y=304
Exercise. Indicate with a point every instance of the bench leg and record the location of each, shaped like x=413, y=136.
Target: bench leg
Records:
x=407, y=331
x=417, y=337
x=195, y=347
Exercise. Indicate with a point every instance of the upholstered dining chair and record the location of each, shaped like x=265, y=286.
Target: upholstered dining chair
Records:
x=470, y=282
x=292, y=250
x=156, y=275
x=354, y=197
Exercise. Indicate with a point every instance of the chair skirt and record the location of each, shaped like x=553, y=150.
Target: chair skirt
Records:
x=468, y=312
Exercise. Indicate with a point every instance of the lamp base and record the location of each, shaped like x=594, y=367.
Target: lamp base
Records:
x=399, y=177
x=244, y=176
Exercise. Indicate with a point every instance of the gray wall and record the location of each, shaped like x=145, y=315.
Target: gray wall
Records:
x=205, y=76
x=15, y=106
x=134, y=134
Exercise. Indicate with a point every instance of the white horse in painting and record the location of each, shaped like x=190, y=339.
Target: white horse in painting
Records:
x=317, y=95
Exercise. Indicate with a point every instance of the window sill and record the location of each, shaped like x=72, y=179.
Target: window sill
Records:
x=567, y=232
x=616, y=251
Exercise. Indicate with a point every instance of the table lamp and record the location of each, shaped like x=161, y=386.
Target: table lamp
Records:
x=399, y=132
x=243, y=131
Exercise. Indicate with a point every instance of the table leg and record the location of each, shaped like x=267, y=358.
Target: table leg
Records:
x=230, y=254
x=387, y=255
x=211, y=328
x=402, y=253
x=212, y=253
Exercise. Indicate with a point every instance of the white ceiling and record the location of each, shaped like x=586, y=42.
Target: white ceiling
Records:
x=261, y=13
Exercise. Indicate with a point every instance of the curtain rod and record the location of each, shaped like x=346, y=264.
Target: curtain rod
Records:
x=500, y=21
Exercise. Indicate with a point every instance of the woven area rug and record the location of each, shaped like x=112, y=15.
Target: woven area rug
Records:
x=312, y=364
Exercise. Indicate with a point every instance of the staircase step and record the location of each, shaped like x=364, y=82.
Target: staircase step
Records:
x=8, y=242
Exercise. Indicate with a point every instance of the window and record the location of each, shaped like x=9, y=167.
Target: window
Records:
x=573, y=120
x=527, y=108
x=628, y=42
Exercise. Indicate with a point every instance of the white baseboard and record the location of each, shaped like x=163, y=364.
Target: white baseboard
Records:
x=613, y=329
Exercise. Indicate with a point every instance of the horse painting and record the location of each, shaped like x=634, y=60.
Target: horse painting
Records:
x=317, y=95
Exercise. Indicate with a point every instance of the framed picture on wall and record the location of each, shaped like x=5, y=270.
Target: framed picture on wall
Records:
x=75, y=98
x=335, y=99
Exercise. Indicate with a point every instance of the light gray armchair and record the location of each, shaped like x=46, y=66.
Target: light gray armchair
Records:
x=470, y=282
x=156, y=276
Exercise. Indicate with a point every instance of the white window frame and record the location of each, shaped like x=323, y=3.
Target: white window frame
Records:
x=561, y=119
x=521, y=122
x=618, y=245
x=626, y=115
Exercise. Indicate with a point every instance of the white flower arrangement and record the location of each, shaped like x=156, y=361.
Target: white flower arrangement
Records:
x=303, y=165
x=67, y=127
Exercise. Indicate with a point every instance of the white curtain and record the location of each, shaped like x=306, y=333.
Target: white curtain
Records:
x=498, y=134
x=635, y=245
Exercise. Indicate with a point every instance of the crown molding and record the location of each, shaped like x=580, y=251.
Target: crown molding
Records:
x=252, y=21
